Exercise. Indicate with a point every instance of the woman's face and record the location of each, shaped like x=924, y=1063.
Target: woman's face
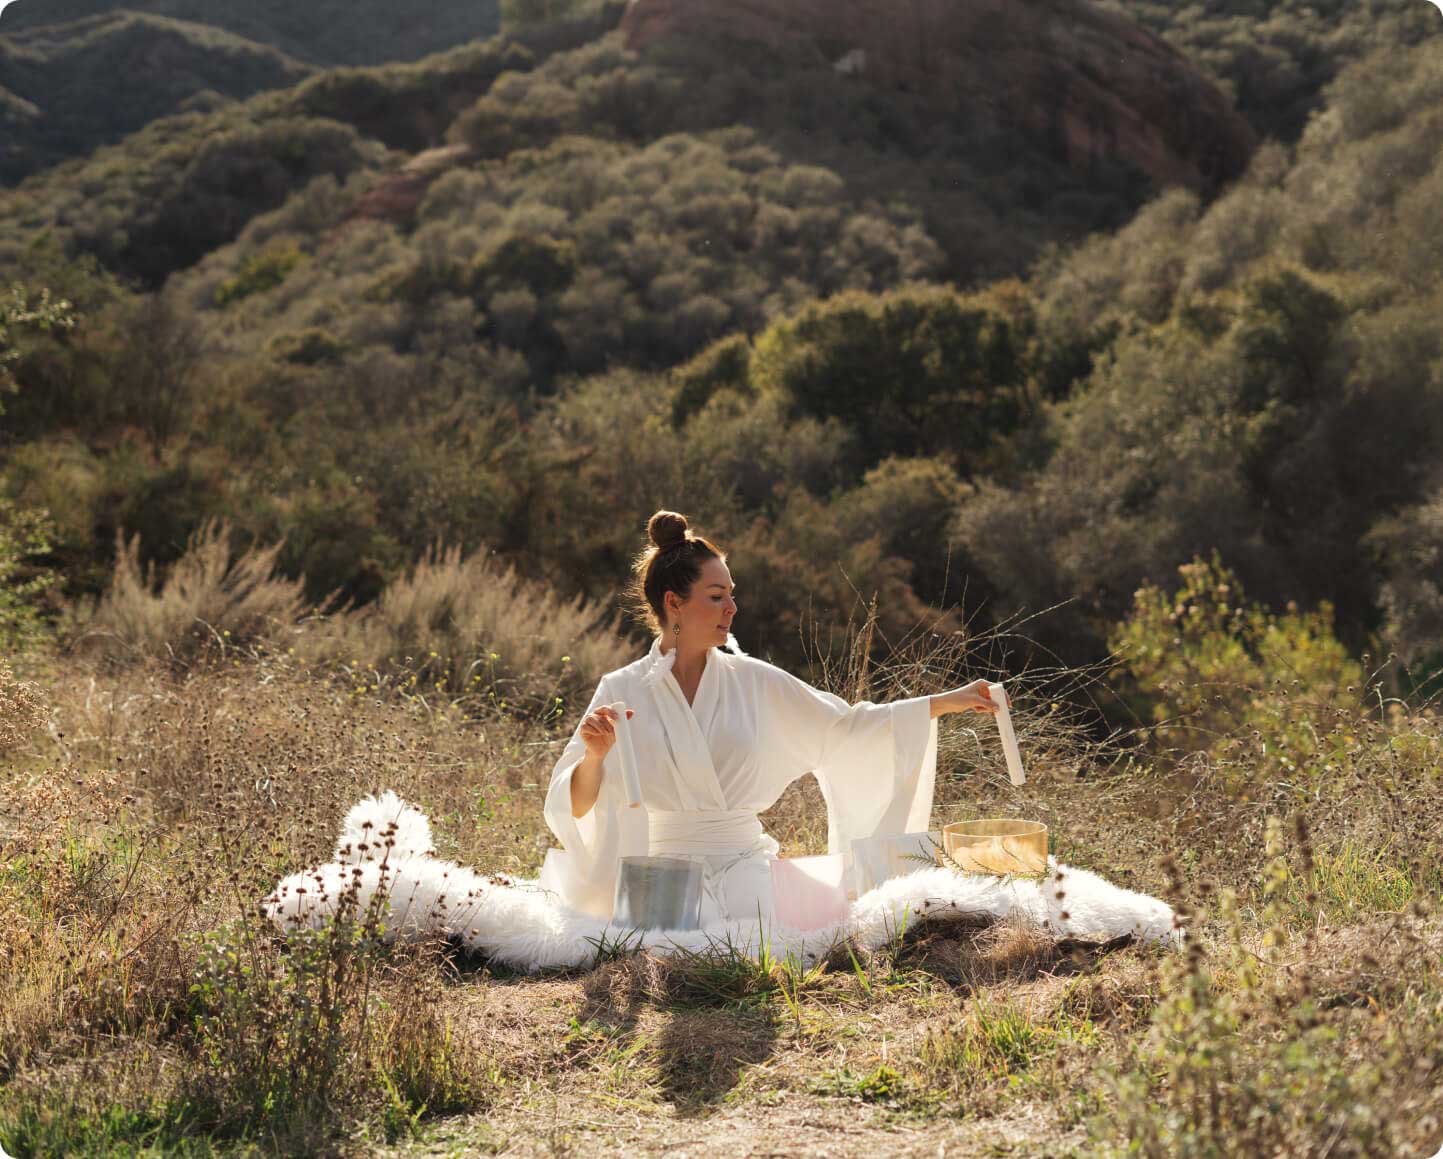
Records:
x=706, y=615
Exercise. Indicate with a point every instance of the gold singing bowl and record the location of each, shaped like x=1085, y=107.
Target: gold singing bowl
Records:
x=997, y=846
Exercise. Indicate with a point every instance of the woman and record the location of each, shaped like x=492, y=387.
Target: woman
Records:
x=718, y=736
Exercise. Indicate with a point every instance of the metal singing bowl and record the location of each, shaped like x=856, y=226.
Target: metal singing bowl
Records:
x=997, y=846
x=658, y=893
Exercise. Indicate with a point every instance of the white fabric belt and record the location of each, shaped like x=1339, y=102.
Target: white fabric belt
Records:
x=726, y=841
x=699, y=832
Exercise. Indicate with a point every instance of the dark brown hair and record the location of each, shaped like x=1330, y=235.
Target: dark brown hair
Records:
x=671, y=562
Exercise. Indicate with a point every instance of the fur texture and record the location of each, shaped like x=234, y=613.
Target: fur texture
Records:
x=384, y=854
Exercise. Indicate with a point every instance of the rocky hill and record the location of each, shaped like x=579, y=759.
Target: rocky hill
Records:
x=1097, y=86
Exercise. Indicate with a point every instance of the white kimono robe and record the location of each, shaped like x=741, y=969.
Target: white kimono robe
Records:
x=707, y=769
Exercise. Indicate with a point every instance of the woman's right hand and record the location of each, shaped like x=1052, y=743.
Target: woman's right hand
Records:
x=974, y=697
x=598, y=730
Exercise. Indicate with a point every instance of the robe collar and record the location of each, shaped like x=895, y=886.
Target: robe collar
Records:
x=662, y=663
x=697, y=785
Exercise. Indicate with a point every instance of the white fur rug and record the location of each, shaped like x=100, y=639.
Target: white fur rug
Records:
x=385, y=848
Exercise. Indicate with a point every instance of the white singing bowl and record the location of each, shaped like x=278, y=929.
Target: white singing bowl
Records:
x=879, y=859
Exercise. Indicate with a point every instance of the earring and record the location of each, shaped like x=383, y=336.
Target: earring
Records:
x=676, y=630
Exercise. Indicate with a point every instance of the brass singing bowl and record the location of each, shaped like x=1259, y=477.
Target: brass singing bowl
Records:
x=997, y=846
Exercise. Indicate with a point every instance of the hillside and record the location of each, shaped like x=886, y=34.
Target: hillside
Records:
x=325, y=32
x=994, y=181
x=77, y=75
x=435, y=303
x=101, y=78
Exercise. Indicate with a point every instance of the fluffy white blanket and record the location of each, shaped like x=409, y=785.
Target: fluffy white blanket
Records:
x=384, y=856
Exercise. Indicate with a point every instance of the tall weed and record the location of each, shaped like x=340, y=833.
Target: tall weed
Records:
x=476, y=632
x=211, y=600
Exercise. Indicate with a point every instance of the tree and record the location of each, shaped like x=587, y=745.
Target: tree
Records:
x=21, y=316
x=919, y=371
x=155, y=378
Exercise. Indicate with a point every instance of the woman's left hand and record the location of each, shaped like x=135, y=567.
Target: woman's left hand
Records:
x=972, y=697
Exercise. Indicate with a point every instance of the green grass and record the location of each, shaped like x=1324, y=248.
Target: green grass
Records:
x=1352, y=882
x=50, y=1123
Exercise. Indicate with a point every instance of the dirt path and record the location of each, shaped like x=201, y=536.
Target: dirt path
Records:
x=613, y=1063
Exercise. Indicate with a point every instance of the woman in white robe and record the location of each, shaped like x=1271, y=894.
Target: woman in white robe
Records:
x=718, y=736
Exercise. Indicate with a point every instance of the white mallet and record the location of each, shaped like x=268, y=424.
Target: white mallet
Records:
x=626, y=753
x=1009, y=738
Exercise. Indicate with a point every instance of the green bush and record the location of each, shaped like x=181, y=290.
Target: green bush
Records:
x=310, y=347
x=25, y=534
x=543, y=265
x=1244, y=1058
x=724, y=365
x=920, y=371
x=260, y=272
x=1208, y=667
x=909, y=505
x=293, y=1042
x=332, y=535
x=20, y=317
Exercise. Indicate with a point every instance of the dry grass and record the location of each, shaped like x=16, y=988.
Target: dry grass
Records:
x=142, y=1004
x=135, y=843
x=23, y=710
x=212, y=598
x=472, y=631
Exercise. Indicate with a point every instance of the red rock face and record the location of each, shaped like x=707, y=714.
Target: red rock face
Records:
x=1093, y=85
x=397, y=197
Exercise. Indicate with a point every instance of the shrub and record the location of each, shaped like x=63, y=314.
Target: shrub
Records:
x=543, y=265
x=332, y=533
x=920, y=371
x=22, y=709
x=1410, y=547
x=211, y=599
x=724, y=365
x=295, y=1041
x=25, y=533
x=260, y=272
x=64, y=478
x=477, y=631
x=19, y=315
x=309, y=347
x=1208, y=667
x=909, y=504
x=1245, y=1058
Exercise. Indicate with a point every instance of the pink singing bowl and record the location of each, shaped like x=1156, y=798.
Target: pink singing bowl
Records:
x=809, y=892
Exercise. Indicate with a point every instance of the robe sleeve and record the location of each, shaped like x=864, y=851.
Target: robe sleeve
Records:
x=876, y=763
x=583, y=870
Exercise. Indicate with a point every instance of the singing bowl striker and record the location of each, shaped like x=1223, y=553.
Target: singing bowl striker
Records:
x=658, y=893
x=997, y=846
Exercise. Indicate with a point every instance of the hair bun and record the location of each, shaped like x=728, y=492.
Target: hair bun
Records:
x=667, y=528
